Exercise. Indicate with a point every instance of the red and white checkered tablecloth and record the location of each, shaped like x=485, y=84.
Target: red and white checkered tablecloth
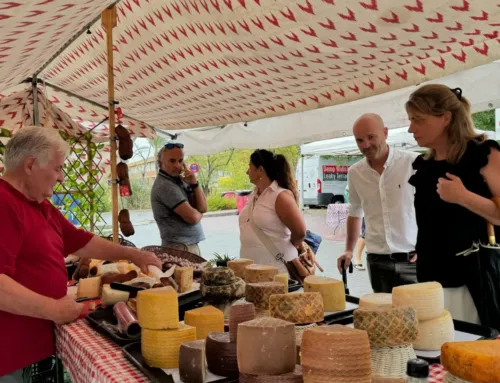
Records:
x=91, y=357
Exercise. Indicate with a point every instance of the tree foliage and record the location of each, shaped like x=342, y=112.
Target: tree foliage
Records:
x=484, y=120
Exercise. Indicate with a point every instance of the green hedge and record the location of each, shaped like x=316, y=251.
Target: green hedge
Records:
x=217, y=203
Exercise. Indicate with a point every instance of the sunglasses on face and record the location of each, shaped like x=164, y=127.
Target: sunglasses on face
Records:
x=172, y=145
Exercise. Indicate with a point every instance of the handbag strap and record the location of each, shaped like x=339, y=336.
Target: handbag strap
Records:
x=491, y=227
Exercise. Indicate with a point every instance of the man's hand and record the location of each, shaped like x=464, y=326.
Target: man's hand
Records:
x=347, y=257
x=189, y=176
x=65, y=310
x=143, y=259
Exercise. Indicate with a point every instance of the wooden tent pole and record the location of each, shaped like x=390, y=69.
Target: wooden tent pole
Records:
x=109, y=20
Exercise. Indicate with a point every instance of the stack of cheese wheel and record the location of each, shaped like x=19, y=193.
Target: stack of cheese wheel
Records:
x=219, y=284
x=472, y=362
x=162, y=334
x=435, y=323
x=332, y=291
x=260, y=292
x=336, y=354
x=391, y=332
x=221, y=354
x=238, y=266
x=267, y=351
x=260, y=273
x=300, y=308
x=375, y=299
x=205, y=319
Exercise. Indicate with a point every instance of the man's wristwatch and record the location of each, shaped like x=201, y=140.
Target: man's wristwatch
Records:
x=194, y=186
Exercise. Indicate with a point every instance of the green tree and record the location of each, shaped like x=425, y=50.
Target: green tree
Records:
x=484, y=120
x=211, y=168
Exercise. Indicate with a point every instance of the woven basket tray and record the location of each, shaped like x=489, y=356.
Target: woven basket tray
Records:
x=390, y=362
x=122, y=241
x=448, y=378
x=193, y=258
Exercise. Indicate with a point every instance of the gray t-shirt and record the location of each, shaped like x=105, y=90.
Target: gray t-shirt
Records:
x=166, y=195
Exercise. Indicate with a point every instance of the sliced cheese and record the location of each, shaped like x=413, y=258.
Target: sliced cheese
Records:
x=205, y=319
x=158, y=309
x=260, y=273
x=433, y=333
x=111, y=296
x=259, y=293
x=160, y=348
x=89, y=288
x=300, y=308
x=475, y=361
x=426, y=298
x=375, y=299
x=282, y=278
x=184, y=278
x=192, y=362
x=331, y=290
x=238, y=266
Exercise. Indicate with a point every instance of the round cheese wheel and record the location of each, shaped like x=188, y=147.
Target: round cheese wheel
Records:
x=450, y=378
x=291, y=377
x=375, y=299
x=391, y=361
x=239, y=313
x=433, y=333
x=332, y=291
x=235, y=290
x=426, y=298
x=259, y=293
x=158, y=309
x=238, y=266
x=383, y=379
x=217, y=276
x=221, y=354
x=260, y=273
x=299, y=308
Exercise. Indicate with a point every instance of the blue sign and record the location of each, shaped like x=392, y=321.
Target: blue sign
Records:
x=195, y=168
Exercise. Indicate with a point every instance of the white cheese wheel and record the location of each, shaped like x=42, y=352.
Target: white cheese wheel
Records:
x=300, y=308
x=260, y=273
x=111, y=296
x=426, y=298
x=375, y=299
x=433, y=333
x=331, y=290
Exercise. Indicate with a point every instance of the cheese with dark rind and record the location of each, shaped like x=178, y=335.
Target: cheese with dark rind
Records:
x=192, y=362
x=221, y=354
x=239, y=313
x=297, y=308
x=336, y=354
x=332, y=291
x=260, y=273
x=238, y=266
x=233, y=291
x=291, y=377
x=205, y=319
x=217, y=276
x=266, y=346
x=260, y=292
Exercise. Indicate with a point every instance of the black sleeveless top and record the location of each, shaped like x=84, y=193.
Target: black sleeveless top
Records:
x=445, y=229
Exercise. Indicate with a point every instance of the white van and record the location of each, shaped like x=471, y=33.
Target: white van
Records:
x=325, y=179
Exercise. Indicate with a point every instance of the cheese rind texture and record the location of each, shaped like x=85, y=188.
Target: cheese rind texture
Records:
x=184, y=278
x=387, y=326
x=450, y=378
x=161, y=348
x=235, y=290
x=260, y=292
x=217, y=276
x=221, y=354
x=158, y=309
x=336, y=354
x=239, y=313
x=300, y=308
x=266, y=346
x=260, y=273
x=192, y=362
x=375, y=299
x=383, y=379
x=475, y=361
x=331, y=290
x=89, y=287
x=392, y=361
x=426, y=298
x=433, y=333
x=238, y=266
x=205, y=319
x=291, y=377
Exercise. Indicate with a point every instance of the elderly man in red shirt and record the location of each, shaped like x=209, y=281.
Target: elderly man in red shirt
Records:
x=34, y=239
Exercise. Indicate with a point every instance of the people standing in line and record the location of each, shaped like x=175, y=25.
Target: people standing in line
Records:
x=177, y=201
x=379, y=190
x=454, y=182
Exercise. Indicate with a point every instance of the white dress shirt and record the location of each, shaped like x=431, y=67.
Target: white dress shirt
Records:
x=387, y=203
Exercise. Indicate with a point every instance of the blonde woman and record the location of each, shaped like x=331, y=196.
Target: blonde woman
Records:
x=454, y=183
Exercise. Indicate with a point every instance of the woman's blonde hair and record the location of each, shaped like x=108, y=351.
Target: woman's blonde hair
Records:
x=435, y=100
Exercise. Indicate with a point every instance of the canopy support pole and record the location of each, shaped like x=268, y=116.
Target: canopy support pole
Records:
x=302, y=184
x=34, y=90
x=109, y=20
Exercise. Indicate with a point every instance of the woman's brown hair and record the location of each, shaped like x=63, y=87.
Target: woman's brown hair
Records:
x=435, y=100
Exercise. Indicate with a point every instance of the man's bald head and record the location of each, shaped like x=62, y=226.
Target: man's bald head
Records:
x=370, y=134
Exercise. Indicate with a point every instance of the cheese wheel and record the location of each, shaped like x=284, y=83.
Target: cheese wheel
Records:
x=266, y=346
x=239, y=313
x=387, y=326
x=221, y=354
x=205, y=319
x=260, y=273
x=450, y=378
x=291, y=377
x=161, y=348
x=433, y=333
x=375, y=299
x=336, y=354
x=217, y=276
x=282, y=278
x=89, y=288
x=235, y=290
x=475, y=361
x=297, y=308
x=383, y=379
x=426, y=298
x=238, y=266
x=259, y=293
x=111, y=296
x=331, y=290
x=158, y=309
x=184, y=278
x=192, y=362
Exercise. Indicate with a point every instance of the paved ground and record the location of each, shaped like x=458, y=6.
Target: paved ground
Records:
x=222, y=235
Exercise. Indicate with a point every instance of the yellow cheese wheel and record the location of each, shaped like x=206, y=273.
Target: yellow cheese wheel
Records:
x=205, y=319
x=433, y=333
x=238, y=266
x=375, y=299
x=282, y=278
x=300, y=308
x=158, y=309
x=426, y=298
x=260, y=273
x=331, y=290
x=160, y=348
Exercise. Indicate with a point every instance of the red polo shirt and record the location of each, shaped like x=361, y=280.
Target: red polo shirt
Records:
x=34, y=239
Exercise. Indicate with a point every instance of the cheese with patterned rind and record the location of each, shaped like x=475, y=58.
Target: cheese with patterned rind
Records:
x=426, y=298
x=259, y=293
x=475, y=361
x=192, y=362
x=266, y=346
x=205, y=319
x=433, y=333
x=238, y=266
x=299, y=308
x=332, y=291
x=260, y=273
x=387, y=326
x=161, y=348
x=239, y=313
x=375, y=299
x=184, y=278
x=221, y=354
x=291, y=377
x=282, y=278
x=217, y=276
x=235, y=290
x=158, y=309
x=336, y=354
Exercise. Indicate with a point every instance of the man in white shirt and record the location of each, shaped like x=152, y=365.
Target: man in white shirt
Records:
x=379, y=189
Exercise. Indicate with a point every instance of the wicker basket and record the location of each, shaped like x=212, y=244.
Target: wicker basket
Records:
x=449, y=378
x=193, y=258
x=122, y=241
x=390, y=362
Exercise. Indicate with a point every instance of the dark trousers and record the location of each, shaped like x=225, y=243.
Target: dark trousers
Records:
x=386, y=273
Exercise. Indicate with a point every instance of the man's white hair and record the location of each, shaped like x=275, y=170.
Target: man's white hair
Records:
x=34, y=141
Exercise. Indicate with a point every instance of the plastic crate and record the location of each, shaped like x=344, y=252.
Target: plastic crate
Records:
x=49, y=370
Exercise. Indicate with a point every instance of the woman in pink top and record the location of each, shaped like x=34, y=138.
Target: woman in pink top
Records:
x=273, y=208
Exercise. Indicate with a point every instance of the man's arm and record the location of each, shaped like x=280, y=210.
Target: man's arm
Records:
x=188, y=213
x=200, y=201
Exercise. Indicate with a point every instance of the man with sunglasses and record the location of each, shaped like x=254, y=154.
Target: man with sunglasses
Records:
x=177, y=201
